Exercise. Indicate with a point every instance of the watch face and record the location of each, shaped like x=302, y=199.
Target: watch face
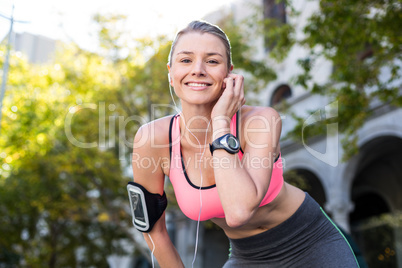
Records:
x=228, y=142
x=232, y=142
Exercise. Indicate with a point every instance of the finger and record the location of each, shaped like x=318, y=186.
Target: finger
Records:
x=239, y=85
x=236, y=77
x=229, y=82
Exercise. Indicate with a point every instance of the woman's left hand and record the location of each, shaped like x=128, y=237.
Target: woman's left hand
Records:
x=232, y=98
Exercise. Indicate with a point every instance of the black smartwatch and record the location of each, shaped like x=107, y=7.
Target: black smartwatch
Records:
x=228, y=142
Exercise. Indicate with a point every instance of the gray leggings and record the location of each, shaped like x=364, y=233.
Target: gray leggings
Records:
x=307, y=239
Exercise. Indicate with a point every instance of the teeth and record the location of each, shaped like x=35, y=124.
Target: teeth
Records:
x=197, y=85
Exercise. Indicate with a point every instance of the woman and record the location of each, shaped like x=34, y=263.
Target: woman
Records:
x=224, y=163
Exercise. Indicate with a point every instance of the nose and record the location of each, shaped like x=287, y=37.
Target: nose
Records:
x=198, y=69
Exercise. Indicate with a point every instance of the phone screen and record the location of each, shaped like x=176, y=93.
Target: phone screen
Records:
x=138, y=207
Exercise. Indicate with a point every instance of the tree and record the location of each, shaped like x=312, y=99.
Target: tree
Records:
x=60, y=202
x=257, y=72
x=363, y=41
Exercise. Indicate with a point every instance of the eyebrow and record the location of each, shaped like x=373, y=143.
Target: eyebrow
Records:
x=191, y=53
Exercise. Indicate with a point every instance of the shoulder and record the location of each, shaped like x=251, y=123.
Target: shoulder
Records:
x=155, y=132
x=152, y=139
x=260, y=127
x=151, y=149
x=150, y=158
x=260, y=116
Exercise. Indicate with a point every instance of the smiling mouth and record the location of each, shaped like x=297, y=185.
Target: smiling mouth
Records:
x=198, y=84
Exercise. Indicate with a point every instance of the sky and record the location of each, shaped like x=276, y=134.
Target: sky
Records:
x=71, y=19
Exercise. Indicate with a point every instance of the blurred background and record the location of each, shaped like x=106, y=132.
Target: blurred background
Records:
x=79, y=78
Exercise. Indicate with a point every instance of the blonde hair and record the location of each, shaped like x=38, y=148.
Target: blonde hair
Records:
x=203, y=27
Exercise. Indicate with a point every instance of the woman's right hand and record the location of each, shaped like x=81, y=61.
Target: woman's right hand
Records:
x=151, y=177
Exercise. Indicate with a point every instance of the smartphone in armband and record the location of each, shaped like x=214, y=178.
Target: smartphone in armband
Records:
x=146, y=207
x=138, y=207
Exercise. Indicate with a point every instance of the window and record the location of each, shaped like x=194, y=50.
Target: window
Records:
x=281, y=93
x=274, y=15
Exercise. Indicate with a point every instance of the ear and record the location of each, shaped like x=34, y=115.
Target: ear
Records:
x=231, y=68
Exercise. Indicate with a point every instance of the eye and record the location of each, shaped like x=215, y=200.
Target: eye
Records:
x=213, y=61
x=185, y=60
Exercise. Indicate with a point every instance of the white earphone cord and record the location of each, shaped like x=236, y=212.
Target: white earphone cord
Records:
x=153, y=249
x=199, y=190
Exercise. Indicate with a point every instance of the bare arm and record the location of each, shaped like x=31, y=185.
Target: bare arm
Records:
x=147, y=163
x=164, y=252
x=242, y=186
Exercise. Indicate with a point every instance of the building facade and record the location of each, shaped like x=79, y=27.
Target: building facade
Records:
x=38, y=49
x=362, y=194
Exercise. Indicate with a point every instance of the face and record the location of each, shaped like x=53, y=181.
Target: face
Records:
x=199, y=65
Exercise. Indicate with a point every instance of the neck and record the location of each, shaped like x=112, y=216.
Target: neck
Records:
x=196, y=125
x=191, y=110
x=197, y=116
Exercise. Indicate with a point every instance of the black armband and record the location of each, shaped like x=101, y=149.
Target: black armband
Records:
x=146, y=208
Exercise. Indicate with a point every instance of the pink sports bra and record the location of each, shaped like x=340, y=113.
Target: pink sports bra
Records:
x=188, y=194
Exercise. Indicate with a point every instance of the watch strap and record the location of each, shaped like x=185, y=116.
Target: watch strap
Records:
x=217, y=144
